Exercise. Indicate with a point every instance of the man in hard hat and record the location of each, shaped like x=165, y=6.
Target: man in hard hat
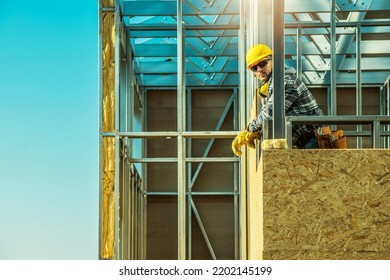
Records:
x=299, y=101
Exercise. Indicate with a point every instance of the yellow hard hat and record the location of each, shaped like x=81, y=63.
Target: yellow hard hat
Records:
x=256, y=54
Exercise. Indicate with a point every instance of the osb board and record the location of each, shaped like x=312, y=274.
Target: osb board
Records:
x=326, y=204
x=324, y=255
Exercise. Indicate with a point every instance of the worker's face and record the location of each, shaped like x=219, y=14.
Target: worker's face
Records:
x=263, y=69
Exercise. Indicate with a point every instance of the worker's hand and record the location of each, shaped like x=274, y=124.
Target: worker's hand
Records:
x=243, y=138
x=251, y=136
x=238, y=142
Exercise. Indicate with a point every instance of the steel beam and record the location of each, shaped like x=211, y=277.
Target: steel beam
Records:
x=373, y=120
x=359, y=105
x=278, y=68
x=332, y=98
x=181, y=85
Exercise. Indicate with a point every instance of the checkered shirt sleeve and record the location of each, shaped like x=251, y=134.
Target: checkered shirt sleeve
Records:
x=299, y=101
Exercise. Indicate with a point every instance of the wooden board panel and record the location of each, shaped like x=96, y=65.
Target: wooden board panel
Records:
x=326, y=204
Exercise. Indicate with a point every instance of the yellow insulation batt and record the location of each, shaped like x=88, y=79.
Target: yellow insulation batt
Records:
x=108, y=125
x=108, y=198
x=274, y=144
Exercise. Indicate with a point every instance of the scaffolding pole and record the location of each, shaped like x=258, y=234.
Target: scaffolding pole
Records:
x=278, y=68
x=181, y=174
x=332, y=98
x=359, y=105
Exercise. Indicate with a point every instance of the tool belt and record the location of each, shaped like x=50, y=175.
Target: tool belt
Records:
x=303, y=139
x=330, y=139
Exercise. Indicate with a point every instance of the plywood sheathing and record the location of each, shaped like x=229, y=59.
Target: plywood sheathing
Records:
x=255, y=207
x=326, y=204
x=324, y=255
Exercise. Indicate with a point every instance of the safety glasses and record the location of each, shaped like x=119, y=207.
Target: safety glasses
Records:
x=261, y=64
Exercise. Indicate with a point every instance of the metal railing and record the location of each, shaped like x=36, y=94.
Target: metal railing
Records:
x=132, y=215
x=375, y=121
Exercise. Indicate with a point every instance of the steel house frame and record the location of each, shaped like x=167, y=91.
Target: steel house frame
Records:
x=189, y=44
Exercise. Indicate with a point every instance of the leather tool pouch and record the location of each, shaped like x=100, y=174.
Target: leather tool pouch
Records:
x=330, y=139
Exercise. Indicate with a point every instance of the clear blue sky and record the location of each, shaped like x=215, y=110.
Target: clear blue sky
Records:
x=48, y=129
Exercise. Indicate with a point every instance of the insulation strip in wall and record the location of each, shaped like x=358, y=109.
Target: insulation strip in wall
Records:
x=108, y=125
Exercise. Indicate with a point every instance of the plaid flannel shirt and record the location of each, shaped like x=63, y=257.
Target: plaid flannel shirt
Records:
x=299, y=101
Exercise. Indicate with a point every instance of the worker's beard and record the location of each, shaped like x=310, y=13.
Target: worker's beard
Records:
x=264, y=77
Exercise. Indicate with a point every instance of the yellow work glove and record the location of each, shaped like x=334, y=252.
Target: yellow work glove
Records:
x=244, y=138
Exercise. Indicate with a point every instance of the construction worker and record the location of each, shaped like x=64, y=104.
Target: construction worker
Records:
x=299, y=101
